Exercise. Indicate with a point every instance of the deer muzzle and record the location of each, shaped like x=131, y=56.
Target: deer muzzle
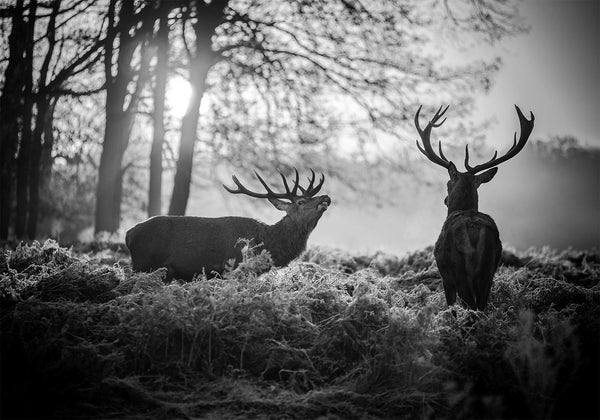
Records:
x=324, y=204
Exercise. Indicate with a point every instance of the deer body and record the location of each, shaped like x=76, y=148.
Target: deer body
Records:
x=188, y=245
x=467, y=253
x=468, y=249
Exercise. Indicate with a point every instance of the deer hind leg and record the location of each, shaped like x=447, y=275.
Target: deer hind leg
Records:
x=487, y=270
x=465, y=276
x=448, y=276
x=465, y=290
x=449, y=291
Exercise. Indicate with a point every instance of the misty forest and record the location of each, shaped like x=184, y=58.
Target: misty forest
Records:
x=288, y=209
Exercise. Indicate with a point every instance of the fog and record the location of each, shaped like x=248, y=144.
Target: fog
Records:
x=539, y=198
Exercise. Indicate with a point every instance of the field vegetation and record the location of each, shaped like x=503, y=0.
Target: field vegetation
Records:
x=332, y=335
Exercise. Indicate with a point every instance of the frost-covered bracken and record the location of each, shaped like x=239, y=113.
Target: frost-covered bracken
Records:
x=330, y=335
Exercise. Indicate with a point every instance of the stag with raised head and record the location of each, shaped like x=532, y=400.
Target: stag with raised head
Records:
x=188, y=245
x=468, y=249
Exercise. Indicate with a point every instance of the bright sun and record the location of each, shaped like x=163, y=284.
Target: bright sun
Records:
x=178, y=95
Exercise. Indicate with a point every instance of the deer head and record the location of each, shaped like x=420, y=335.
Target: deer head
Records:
x=300, y=205
x=462, y=186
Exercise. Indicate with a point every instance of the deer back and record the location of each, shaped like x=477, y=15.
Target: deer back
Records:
x=188, y=245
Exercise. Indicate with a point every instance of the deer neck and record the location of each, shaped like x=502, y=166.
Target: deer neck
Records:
x=463, y=199
x=286, y=239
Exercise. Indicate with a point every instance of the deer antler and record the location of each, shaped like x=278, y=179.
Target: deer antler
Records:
x=288, y=194
x=310, y=191
x=526, y=128
x=425, y=135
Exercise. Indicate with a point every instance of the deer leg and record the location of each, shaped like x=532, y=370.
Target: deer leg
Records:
x=487, y=270
x=468, y=291
x=448, y=279
x=468, y=297
x=449, y=291
x=484, y=285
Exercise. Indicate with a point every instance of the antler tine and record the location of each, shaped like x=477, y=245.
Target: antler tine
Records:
x=243, y=190
x=468, y=167
x=296, y=182
x=269, y=194
x=438, y=115
x=440, y=149
x=417, y=120
x=288, y=194
x=517, y=146
x=425, y=135
x=315, y=190
x=311, y=180
x=262, y=181
x=285, y=184
x=294, y=190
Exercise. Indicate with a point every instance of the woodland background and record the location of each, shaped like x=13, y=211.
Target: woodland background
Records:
x=96, y=134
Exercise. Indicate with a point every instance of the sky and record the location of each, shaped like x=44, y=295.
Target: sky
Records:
x=554, y=70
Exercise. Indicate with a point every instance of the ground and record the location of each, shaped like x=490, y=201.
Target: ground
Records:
x=331, y=336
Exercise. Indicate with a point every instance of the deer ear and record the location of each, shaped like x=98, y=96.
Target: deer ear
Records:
x=452, y=171
x=486, y=176
x=279, y=205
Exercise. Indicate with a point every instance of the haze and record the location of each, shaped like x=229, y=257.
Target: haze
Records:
x=554, y=70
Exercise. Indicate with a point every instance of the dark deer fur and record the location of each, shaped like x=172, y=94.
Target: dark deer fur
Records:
x=188, y=245
x=468, y=249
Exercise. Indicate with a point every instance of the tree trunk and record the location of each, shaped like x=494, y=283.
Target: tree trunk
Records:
x=46, y=153
x=209, y=16
x=43, y=124
x=162, y=64
x=41, y=155
x=189, y=124
x=119, y=117
x=116, y=137
x=10, y=110
x=24, y=159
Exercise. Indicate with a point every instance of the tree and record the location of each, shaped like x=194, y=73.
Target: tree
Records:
x=11, y=104
x=124, y=38
x=158, y=116
x=285, y=60
x=205, y=19
x=46, y=62
x=272, y=76
x=24, y=157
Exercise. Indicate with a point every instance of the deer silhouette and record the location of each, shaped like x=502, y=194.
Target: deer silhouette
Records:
x=468, y=249
x=188, y=245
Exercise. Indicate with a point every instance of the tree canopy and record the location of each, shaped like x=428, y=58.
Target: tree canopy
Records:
x=274, y=84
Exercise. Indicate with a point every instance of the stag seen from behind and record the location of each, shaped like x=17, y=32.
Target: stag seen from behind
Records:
x=468, y=249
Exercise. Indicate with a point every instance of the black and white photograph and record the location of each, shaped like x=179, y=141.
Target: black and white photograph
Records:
x=300, y=209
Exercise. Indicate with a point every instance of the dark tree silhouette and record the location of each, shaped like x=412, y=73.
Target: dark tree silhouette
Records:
x=289, y=56
x=204, y=18
x=124, y=39
x=41, y=62
x=268, y=71
x=11, y=105
x=158, y=116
